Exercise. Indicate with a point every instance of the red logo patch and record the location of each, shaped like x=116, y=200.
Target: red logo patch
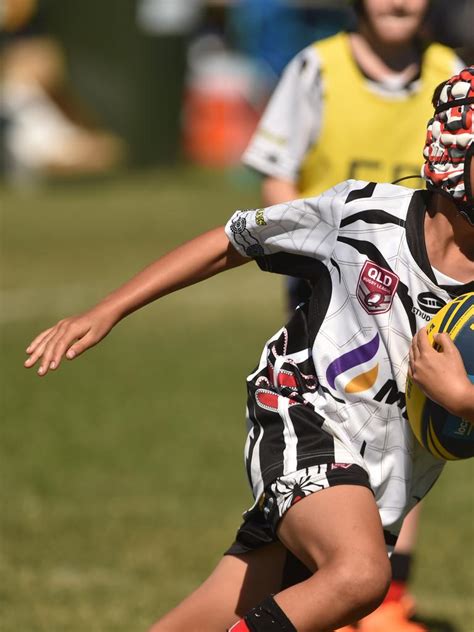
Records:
x=376, y=288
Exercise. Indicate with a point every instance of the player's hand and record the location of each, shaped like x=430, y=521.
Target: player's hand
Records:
x=69, y=338
x=440, y=374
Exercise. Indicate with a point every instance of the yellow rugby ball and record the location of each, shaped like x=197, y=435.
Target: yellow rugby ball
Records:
x=443, y=434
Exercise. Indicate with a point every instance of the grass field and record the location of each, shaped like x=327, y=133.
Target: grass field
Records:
x=121, y=475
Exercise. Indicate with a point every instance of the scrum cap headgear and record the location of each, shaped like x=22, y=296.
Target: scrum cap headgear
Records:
x=449, y=142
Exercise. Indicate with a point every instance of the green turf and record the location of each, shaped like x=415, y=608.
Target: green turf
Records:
x=101, y=531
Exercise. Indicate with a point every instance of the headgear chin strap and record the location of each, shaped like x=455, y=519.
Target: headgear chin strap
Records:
x=449, y=144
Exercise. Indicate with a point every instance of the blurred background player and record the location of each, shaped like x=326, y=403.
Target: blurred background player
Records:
x=304, y=144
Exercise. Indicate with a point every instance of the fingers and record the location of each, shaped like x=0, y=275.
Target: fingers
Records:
x=51, y=346
x=411, y=361
x=422, y=342
x=69, y=338
x=416, y=345
x=415, y=352
x=37, y=348
x=418, y=349
x=57, y=347
x=444, y=342
x=38, y=340
x=86, y=342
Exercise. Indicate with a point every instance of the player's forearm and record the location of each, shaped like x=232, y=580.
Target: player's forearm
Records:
x=193, y=261
x=457, y=397
x=465, y=407
x=276, y=191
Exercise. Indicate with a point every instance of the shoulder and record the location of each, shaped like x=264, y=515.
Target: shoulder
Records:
x=377, y=202
x=305, y=69
x=353, y=190
x=305, y=66
x=309, y=61
x=334, y=42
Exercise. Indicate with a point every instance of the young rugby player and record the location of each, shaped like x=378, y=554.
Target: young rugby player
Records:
x=301, y=147
x=333, y=464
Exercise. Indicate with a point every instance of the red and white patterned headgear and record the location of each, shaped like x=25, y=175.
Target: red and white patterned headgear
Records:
x=449, y=142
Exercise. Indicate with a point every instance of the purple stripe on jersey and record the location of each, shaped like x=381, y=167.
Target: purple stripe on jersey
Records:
x=353, y=358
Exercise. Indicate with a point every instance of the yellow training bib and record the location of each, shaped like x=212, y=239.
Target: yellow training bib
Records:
x=365, y=135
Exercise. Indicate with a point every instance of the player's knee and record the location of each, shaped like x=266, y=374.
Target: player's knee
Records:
x=364, y=581
x=375, y=576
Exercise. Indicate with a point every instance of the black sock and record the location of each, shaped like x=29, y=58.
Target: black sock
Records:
x=401, y=566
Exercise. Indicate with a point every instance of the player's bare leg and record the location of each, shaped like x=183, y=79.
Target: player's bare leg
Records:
x=237, y=584
x=337, y=530
x=408, y=535
x=404, y=548
x=397, y=608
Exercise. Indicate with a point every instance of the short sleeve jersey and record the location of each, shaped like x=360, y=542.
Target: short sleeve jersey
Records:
x=361, y=245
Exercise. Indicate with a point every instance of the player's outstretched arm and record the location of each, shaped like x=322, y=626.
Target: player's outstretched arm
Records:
x=190, y=263
x=441, y=374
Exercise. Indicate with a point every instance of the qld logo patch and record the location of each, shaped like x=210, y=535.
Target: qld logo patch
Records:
x=376, y=288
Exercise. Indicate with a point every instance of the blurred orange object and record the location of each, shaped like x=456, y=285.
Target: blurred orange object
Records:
x=392, y=616
x=224, y=97
x=217, y=127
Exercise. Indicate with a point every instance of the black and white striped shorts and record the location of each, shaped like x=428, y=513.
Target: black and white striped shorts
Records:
x=289, y=452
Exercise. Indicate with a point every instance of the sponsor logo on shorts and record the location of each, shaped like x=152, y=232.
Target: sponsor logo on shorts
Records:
x=376, y=288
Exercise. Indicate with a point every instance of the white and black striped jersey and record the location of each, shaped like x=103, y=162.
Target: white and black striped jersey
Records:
x=361, y=246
